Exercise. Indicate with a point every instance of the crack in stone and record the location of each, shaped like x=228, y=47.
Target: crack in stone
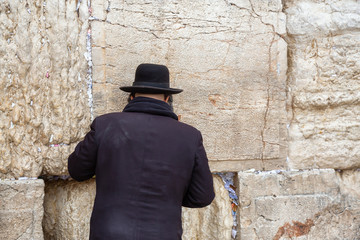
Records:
x=267, y=219
x=265, y=123
x=273, y=40
x=90, y=64
x=235, y=5
x=9, y=187
x=108, y=7
x=253, y=13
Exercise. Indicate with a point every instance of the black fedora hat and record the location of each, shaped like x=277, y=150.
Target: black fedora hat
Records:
x=151, y=78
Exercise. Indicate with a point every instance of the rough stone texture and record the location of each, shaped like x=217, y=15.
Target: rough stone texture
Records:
x=21, y=209
x=228, y=56
x=212, y=222
x=324, y=96
x=314, y=204
x=350, y=182
x=43, y=76
x=68, y=206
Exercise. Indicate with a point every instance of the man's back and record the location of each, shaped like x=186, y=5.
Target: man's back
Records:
x=147, y=166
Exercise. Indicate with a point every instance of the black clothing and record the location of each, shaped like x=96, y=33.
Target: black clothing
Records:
x=147, y=166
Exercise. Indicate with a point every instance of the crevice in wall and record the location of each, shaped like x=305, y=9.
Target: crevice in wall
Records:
x=88, y=56
x=229, y=184
x=55, y=177
x=19, y=178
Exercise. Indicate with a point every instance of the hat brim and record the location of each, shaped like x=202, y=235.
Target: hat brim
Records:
x=148, y=89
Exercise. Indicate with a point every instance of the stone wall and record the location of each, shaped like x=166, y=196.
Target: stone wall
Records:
x=68, y=207
x=324, y=84
x=288, y=204
x=273, y=86
x=43, y=76
x=21, y=209
x=227, y=56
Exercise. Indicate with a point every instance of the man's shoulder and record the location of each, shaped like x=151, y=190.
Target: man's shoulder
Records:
x=188, y=129
x=108, y=116
x=188, y=126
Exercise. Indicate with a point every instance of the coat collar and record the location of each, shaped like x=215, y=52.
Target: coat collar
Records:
x=151, y=106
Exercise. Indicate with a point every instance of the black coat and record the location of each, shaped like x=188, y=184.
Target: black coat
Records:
x=147, y=165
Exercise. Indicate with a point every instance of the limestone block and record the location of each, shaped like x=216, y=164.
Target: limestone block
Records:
x=321, y=18
x=298, y=205
x=21, y=209
x=350, y=182
x=228, y=57
x=68, y=206
x=67, y=209
x=324, y=84
x=341, y=220
x=43, y=77
x=107, y=98
x=212, y=222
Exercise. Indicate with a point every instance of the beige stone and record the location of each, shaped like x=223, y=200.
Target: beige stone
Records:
x=297, y=205
x=350, y=182
x=337, y=222
x=230, y=57
x=107, y=98
x=21, y=209
x=68, y=206
x=234, y=165
x=43, y=77
x=324, y=84
x=67, y=209
x=212, y=222
x=309, y=19
x=341, y=220
x=226, y=55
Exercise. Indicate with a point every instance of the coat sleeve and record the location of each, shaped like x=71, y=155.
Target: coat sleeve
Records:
x=201, y=190
x=82, y=162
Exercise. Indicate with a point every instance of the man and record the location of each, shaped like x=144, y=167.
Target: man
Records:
x=147, y=164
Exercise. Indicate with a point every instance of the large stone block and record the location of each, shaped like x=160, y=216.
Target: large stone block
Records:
x=212, y=222
x=43, y=76
x=341, y=220
x=226, y=55
x=312, y=204
x=68, y=206
x=309, y=19
x=67, y=209
x=21, y=209
x=324, y=84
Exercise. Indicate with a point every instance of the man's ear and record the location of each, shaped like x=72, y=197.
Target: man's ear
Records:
x=167, y=99
x=131, y=97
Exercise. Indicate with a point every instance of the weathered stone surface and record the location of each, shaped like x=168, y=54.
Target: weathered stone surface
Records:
x=43, y=76
x=324, y=84
x=21, y=209
x=341, y=220
x=350, y=182
x=310, y=19
x=68, y=206
x=338, y=221
x=212, y=222
x=230, y=58
x=67, y=209
x=298, y=205
x=226, y=55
